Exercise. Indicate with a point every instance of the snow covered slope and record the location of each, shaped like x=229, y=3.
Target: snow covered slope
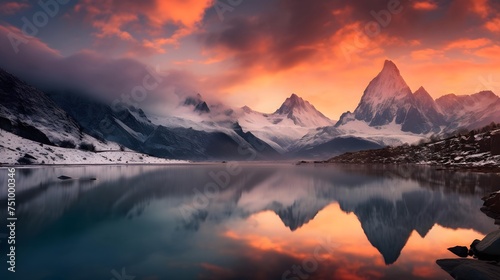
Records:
x=301, y=112
x=188, y=133
x=294, y=119
x=387, y=135
x=18, y=150
x=28, y=112
x=70, y=120
x=278, y=131
x=281, y=130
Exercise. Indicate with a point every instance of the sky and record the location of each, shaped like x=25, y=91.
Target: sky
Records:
x=251, y=52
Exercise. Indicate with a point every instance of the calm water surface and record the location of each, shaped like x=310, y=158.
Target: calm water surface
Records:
x=242, y=221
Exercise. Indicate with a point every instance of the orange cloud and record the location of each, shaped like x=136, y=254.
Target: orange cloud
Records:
x=184, y=12
x=468, y=43
x=493, y=25
x=490, y=52
x=480, y=7
x=9, y=8
x=144, y=22
x=112, y=26
x=426, y=54
x=425, y=5
x=323, y=52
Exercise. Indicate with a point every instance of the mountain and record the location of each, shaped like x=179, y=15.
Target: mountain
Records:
x=388, y=114
x=429, y=107
x=128, y=126
x=198, y=103
x=470, y=111
x=260, y=146
x=388, y=99
x=182, y=143
x=29, y=113
x=132, y=128
x=294, y=119
x=302, y=113
x=68, y=119
x=279, y=130
x=39, y=131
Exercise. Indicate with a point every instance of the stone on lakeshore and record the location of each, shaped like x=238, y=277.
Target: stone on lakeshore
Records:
x=470, y=269
x=460, y=251
x=490, y=245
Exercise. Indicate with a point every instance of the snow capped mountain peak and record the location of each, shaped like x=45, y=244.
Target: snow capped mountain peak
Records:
x=291, y=103
x=390, y=68
x=193, y=100
x=198, y=103
x=388, y=100
x=424, y=98
x=388, y=84
x=384, y=96
x=302, y=113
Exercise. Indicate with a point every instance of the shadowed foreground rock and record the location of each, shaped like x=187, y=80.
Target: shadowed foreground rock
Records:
x=486, y=252
x=460, y=251
x=488, y=248
x=470, y=269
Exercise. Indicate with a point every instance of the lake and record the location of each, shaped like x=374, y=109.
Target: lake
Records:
x=242, y=221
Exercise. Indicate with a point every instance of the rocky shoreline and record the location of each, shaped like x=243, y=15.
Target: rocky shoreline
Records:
x=477, y=150
x=485, y=253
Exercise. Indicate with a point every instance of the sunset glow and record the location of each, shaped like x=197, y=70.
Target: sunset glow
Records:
x=264, y=232
x=256, y=53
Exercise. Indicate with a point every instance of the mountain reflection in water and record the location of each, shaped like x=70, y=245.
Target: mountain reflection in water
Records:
x=378, y=222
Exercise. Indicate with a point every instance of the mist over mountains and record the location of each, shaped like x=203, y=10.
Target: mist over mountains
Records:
x=389, y=113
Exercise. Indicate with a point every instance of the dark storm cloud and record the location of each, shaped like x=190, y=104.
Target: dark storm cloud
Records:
x=282, y=28
x=289, y=32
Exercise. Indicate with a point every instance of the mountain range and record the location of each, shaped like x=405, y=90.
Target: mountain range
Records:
x=388, y=100
x=389, y=113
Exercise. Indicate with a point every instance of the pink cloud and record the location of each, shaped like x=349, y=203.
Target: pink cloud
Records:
x=9, y=8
